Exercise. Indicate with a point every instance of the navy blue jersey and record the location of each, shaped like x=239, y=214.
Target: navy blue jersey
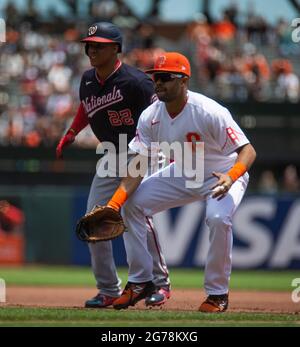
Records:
x=114, y=107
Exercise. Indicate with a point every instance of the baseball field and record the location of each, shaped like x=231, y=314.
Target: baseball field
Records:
x=54, y=296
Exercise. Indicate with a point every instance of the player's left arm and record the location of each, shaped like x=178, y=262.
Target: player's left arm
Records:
x=244, y=161
x=232, y=139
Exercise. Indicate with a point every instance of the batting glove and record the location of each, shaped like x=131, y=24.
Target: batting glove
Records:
x=64, y=142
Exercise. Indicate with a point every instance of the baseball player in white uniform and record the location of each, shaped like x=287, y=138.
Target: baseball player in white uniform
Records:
x=183, y=116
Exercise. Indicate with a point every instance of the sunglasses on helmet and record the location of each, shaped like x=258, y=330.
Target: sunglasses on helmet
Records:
x=165, y=76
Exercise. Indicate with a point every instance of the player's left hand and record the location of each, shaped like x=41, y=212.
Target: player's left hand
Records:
x=103, y=223
x=221, y=188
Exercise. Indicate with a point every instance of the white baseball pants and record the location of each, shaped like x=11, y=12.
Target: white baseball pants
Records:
x=156, y=194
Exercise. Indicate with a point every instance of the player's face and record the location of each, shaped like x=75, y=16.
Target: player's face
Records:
x=168, y=86
x=101, y=53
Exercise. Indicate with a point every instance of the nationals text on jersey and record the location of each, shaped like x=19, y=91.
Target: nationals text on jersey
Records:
x=93, y=104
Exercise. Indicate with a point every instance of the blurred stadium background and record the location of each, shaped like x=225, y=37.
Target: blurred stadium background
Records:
x=242, y=55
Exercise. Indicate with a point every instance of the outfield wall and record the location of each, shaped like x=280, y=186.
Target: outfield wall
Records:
x=266, y=230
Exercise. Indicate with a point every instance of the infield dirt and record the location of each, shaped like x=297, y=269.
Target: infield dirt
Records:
x=181, y=300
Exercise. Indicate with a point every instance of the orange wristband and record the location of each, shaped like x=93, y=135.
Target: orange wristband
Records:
x=118, y=199
x=237, y=171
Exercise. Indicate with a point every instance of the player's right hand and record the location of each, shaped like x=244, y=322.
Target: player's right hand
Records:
x=65, y=141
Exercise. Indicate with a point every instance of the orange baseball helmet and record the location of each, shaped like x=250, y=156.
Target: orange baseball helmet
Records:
x=171, y=62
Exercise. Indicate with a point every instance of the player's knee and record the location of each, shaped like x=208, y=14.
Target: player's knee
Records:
x=218, y=220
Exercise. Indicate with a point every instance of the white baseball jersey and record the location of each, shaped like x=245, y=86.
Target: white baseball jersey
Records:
x=202, y=119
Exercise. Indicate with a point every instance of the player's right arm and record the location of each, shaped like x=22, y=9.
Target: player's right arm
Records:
x=127, y=187
x=231, y=139
x=80, y=121
x=141, y=145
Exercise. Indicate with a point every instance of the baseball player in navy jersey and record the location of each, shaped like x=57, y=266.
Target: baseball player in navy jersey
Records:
x=182, y=116
x=113, y=95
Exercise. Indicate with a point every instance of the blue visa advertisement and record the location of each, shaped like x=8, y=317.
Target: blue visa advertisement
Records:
x=266, y=231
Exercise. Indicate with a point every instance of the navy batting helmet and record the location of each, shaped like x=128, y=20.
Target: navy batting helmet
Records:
x=104, y=32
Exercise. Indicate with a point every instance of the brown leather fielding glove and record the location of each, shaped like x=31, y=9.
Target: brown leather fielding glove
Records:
x=103, y=223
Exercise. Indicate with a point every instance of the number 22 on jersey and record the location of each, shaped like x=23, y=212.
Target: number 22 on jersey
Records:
x=123, y=117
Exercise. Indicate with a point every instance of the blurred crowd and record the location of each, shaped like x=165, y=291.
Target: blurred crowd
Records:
x=41, y=65
x=40, y=71
x=251, y=62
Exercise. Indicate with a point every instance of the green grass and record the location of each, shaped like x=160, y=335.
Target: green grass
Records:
x=13, y=316
x=87, y=323
x=180, y=278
